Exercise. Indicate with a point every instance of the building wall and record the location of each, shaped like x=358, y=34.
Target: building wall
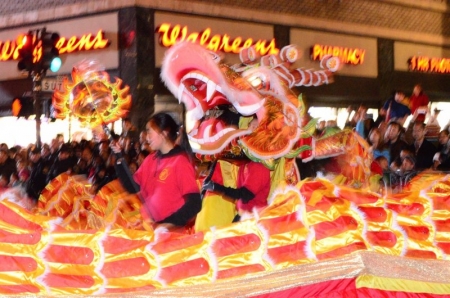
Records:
x=429, y=17
x=19, y=6
x=67, y=29
x=418, y=22
x=420, y=16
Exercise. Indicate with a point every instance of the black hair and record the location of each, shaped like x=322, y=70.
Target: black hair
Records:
x=420, y=123
x=445, y=131
x=144, y=152
x=395, y=123
x=163, y=122
x=15, y=175
x=369, y=124
x=380, y=158
x=411, y=158
x=6, y=177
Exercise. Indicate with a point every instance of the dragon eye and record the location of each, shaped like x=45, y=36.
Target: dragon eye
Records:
x=215, y=57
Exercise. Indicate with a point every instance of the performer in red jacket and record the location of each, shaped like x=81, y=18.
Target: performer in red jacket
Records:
x=167, y=177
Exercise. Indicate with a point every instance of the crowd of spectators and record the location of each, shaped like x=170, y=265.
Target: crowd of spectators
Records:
x=404, y=140
x=400, y=152
x=34, y=167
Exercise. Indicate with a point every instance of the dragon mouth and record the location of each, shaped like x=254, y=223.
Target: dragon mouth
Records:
x=209, y=131
x=199, y=94
x=194, y=76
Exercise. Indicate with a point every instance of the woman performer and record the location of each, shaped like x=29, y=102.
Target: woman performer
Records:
x=168, y=187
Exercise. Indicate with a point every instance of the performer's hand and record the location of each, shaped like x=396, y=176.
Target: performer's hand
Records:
x=245, y=200
x=208, y=186
x=147, y=221
x=168, y=226
x=115, y=147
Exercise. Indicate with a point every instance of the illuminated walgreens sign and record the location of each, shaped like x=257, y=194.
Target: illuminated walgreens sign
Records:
x=427, y=64
x=9, y=50
x=170, y=35
x=346, y=55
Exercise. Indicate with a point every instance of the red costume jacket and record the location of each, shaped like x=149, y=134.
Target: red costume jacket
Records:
x=166, y=180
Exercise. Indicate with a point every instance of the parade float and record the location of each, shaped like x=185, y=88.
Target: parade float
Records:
x=339, y=235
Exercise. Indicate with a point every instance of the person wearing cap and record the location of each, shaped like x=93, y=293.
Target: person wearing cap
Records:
x=423, y=149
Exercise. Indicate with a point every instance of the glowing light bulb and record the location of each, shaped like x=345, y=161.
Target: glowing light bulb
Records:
x=55, y=65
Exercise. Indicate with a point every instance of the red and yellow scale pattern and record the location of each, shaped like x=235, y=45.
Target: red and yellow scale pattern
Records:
x=103, y=247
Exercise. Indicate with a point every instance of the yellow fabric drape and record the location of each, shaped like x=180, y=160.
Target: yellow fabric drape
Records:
x=401, y=285
x=217, y=210
x=314, y=224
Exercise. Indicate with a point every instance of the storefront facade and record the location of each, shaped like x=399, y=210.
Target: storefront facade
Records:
x=91, y=38
x=376, y=61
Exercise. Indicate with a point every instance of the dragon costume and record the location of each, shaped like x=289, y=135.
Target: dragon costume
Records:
x=316, y=237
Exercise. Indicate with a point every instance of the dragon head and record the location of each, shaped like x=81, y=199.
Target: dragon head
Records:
x=217, y=96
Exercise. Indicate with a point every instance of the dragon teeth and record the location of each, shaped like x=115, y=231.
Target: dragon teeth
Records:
x=207, y=132
x=192, y=117
x=249, y=109
x=180, y=92
x=210, y=90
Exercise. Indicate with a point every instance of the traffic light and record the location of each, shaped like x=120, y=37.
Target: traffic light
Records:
x=50, y=54
x=16, y=106
x=22, y=107
x=27, y=43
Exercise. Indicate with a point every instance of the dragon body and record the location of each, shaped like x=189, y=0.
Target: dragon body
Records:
x=315, y=235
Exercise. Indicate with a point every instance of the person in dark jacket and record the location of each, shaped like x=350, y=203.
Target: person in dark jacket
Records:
x=394, y=141
x=442, y=157
x=38, y=176
x=63, y=163
x=424, y=150
x=7, y=164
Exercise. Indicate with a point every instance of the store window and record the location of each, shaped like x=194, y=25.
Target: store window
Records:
x=22, y=131
x=442, y=109
x=340, y=115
